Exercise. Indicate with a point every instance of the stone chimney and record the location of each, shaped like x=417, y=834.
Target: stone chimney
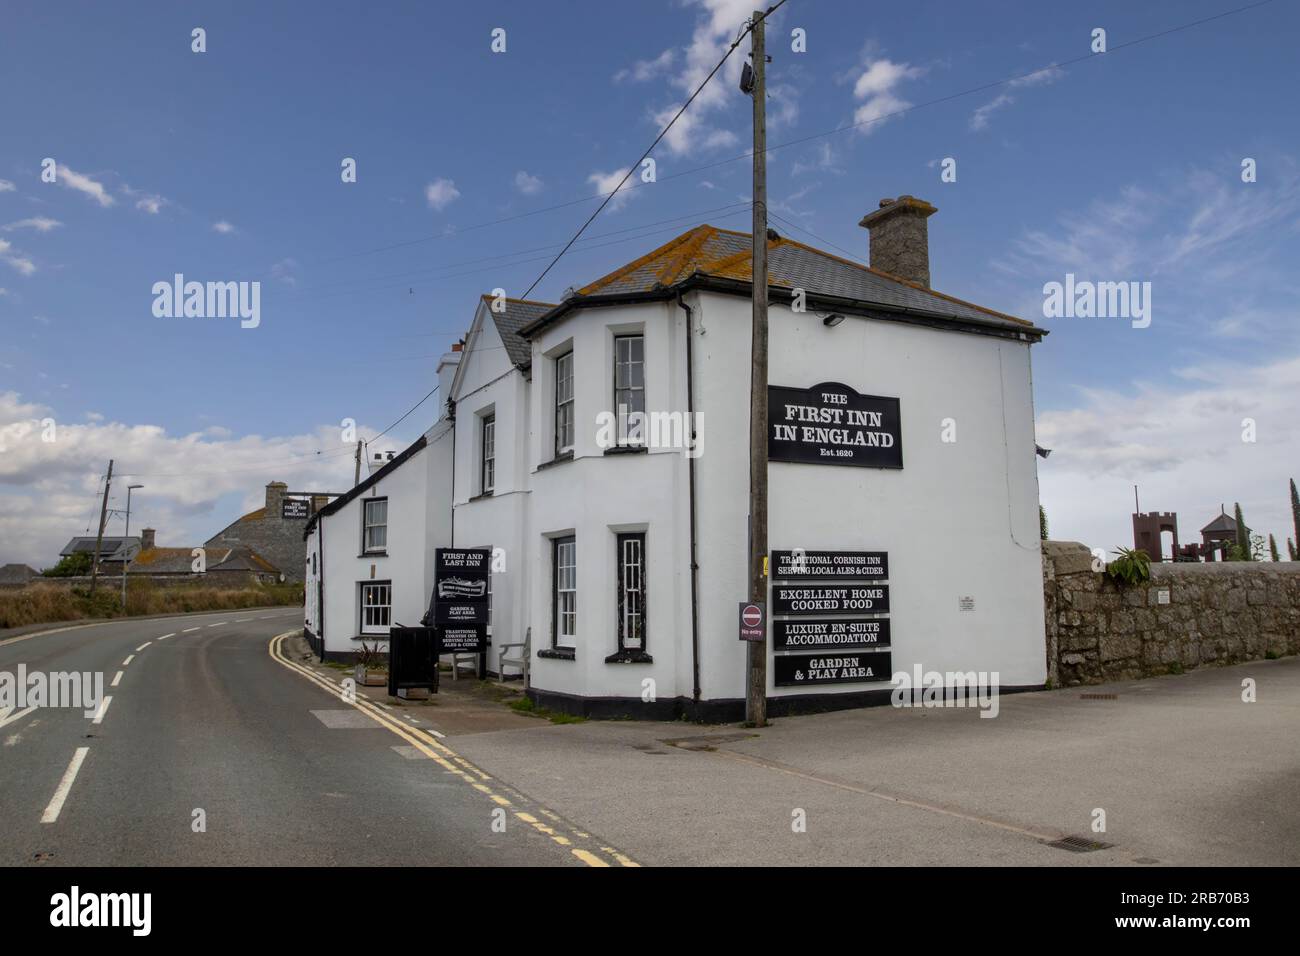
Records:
x=318, y=502
x=900, y=241
x=146, y=539
x=274, y=492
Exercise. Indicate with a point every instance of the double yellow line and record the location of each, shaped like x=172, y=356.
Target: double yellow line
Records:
x=454, y=763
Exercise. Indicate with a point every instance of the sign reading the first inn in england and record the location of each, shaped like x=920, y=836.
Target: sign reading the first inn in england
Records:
x=831, y=424
x=294, y=508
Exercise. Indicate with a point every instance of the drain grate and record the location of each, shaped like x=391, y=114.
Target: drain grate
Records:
x=1099, y=697
x=1078, y=844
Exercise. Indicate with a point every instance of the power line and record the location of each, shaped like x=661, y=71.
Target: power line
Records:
x=662, y=133
x=404, y=415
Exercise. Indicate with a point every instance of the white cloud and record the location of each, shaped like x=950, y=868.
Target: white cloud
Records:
x=285, y=270
x=19, y=262
x=152, y=204
x=644, y=70
x=223, y=227
x=822, y=160
x=980, y=118
x=608, y=182
x=527, y=184
x=6, y=186
x=39, y=223
x=877, y=87
x=1182, y=446
x=82, y=183
x=714, y=31
x=441, y=193
x=47, y=489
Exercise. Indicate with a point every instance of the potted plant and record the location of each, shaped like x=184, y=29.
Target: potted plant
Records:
x=372, y=666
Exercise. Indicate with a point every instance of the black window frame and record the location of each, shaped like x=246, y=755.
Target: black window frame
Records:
x=620, y=585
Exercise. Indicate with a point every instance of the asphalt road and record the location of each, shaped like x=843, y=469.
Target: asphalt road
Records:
x=283, y=769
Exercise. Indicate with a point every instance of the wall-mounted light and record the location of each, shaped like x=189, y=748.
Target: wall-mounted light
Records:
x=832, y=320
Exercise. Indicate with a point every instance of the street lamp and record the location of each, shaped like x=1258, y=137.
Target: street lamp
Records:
x=126, y=560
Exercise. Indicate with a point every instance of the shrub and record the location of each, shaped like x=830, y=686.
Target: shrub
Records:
x=1131, y=566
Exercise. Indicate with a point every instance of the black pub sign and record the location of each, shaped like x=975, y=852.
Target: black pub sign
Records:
x=830, y=598
x=460, y=598
x=819, y=635
x=798, y=565
x=294, y=508
x=831, y=424
x=831, y=667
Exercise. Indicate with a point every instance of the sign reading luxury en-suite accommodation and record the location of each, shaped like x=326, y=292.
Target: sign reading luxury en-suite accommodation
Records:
x=622, y=564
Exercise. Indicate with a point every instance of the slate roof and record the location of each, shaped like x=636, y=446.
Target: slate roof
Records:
x=517, y=314
x=17, y=574
x=708, y=251
x=1223, y=522
x=181, y=560
x=108, y=548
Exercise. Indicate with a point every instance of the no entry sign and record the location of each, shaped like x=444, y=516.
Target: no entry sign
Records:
x=753, y=620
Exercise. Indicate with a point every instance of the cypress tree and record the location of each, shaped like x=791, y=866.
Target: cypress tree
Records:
x=1243, y=533
x=1042, y=522
x=1272, y=548
x=1295, y=513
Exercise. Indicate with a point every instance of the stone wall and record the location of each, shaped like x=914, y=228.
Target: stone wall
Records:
x=1187, y=615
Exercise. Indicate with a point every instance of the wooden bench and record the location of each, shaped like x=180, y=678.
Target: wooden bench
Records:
x=517, y=659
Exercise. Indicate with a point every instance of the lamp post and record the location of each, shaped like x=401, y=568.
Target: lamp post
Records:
x=126, y=560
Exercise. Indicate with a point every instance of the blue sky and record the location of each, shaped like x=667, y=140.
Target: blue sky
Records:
x=225, y=166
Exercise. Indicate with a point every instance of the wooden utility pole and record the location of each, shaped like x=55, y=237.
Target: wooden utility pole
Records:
x=99, y=538
x=356, y=479
x=756, y=679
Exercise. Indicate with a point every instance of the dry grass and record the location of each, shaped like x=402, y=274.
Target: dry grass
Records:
x=44, y=603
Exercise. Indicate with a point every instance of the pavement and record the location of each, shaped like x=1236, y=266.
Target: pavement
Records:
x=225, y=718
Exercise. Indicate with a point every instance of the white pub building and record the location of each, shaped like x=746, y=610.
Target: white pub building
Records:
x=600, y=447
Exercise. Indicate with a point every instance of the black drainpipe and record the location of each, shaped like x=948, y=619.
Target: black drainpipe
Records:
x=690, y=464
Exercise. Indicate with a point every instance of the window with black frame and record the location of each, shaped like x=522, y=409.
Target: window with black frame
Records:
x=631, y=592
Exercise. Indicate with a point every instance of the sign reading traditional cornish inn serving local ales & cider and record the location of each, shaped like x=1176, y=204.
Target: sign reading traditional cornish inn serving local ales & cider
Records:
x=832, y=614
x=831, y=424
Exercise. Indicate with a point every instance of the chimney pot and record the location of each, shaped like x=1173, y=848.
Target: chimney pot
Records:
x=900, y=240
x=146, y=539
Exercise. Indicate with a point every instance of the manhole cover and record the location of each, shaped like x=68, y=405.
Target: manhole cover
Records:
x=1078, y=844
x=1099, y=697
x=706, y=743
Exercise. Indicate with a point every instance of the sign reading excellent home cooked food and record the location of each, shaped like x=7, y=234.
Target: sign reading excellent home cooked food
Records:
x=831, y=424
x=830, y=598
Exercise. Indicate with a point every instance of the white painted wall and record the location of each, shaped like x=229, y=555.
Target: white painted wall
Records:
x=958, y=519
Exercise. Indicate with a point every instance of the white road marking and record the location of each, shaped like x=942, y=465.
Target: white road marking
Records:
x=143, y=646
x=129, y=659
x=218, y=624
x=103, y=709
x=51, y=813
x=116, y=679
x=165, y=636
x=188, y=629
x=8, y=718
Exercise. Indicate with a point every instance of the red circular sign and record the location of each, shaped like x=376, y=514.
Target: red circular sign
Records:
x=751, y=616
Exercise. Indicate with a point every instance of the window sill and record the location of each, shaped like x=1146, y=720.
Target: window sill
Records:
x=486, y=494
x=373, y=554
x=371, y=637
x=558, y=653
x=557, y=460
x=627, y=450
x=630, y=657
